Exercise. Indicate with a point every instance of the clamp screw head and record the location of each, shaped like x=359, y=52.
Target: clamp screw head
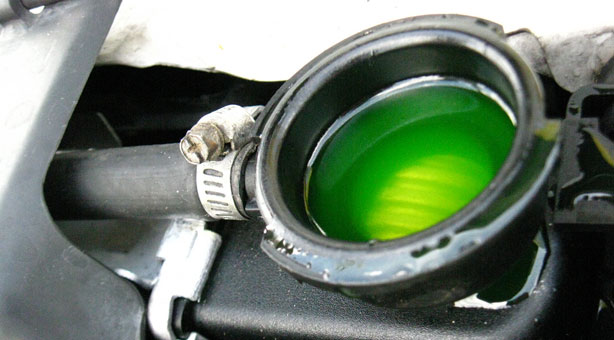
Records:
x=204, y=142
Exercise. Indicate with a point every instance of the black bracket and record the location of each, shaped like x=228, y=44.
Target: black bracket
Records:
x=585, y=182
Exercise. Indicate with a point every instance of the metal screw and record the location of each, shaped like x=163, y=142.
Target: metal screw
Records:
x=204, y=142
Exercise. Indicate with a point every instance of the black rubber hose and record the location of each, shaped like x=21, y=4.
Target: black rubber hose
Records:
x=29, y=4
x=151, y=181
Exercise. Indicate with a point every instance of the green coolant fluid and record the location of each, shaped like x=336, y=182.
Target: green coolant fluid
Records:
x=406, y=159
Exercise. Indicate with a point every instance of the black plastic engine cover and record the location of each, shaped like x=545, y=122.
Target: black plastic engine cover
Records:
x=249, y=297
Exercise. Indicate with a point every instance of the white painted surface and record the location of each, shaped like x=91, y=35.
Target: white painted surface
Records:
x=272, y=39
